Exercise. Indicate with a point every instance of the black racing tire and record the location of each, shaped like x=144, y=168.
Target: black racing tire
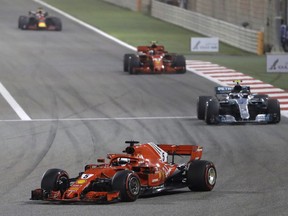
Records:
x=201, y=175
x=23, y=22
x=58, y=24
x=126, y=60
x=179, y=61
x=273, y=108
x=201, y=106
x=55, y=180
x=133, y=63
x=54, y=21
x=128, y=184
x=212, y=112
x=33, y=20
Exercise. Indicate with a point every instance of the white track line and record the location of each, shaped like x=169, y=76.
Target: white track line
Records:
x=108, y=119
x=12, y=102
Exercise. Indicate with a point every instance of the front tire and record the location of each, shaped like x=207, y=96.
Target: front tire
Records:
x=128, y=184
x=54, y=21
x=127, y=58
x=58, y=23
x=212, y=112
x=55, y=180
x=179, y=61
x=273, y=108
x=201, y=175
x=23, y=22
x=134, y=63
x=201, y=106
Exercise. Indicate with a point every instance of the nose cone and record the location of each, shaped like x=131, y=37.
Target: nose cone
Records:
x=70, y=194
x=158, y=65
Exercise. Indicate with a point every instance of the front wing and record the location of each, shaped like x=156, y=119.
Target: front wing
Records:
x=167, y=69
x=260, y=118
x=91, y=196
x=37, y=27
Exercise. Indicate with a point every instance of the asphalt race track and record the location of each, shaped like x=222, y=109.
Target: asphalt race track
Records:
x=81, y=106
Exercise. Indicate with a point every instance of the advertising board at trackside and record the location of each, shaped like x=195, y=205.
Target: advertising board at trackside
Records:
x=277, y=63
x=204, y=44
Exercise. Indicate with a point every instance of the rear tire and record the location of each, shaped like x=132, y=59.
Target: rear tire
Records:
x=273, y=108
x=55, y=180
x=201, y=106
x=128, y=184
x=201, y=175
x=212, y=112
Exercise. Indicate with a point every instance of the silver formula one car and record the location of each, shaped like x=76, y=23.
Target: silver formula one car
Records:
x=238, y=105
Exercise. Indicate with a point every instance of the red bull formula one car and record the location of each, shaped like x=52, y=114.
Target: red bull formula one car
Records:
x=142, y=169
x=154, y=59
x=39, y=20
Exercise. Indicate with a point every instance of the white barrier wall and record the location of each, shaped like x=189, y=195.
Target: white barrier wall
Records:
x=234, y=35
x=236, y=12
x=237, y=36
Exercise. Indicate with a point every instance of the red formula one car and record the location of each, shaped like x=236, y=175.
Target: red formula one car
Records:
x=154, y=59
x=39, y=20
x=142, y=169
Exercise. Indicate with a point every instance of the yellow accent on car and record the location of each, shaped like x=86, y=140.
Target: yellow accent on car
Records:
x=42, y=25
x=81, y=181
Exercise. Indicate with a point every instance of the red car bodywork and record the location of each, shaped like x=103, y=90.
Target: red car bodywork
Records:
x=154, y=59
x=141, y=169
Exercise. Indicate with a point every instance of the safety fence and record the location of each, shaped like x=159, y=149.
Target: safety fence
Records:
x=237, y=36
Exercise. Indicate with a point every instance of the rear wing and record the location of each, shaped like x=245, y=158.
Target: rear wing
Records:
x=145, y=49
x=194, y=151
x=228, y=89
x=223, y=89
x=222, y=92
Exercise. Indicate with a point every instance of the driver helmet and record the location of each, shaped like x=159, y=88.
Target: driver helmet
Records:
x=123, y=161
x=151, y=52
x=40, y=10
x=237, y=88
x=153, y=45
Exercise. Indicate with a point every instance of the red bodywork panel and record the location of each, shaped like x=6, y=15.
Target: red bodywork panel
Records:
x=155, y=59
x=149, y=161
